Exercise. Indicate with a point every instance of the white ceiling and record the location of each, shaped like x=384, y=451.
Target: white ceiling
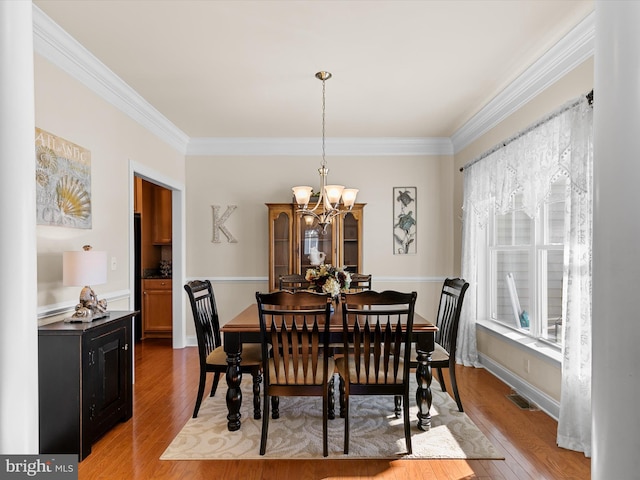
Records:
x=247, y=68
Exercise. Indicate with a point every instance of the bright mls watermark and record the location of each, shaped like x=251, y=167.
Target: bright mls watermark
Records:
x=51, y=467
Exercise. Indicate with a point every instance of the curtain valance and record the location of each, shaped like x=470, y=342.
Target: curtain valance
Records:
x=528, y=165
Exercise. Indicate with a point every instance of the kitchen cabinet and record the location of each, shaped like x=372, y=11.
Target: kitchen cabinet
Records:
x=157, y=317
x=85, y=376
x=161, y=216
x=292, y=237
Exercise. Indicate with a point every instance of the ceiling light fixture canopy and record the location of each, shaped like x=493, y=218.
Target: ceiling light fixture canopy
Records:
x=328, y=206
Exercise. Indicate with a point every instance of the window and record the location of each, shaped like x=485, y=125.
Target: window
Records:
x=525, y=266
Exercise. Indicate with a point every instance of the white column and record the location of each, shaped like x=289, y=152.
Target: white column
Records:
x=18, y=285
x=616, y=243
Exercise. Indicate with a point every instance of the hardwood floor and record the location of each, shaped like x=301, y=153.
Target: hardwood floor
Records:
x=164, y=396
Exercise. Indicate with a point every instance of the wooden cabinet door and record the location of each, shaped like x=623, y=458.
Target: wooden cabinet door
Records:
x=309, y=236
x=280, y=242
x=109, y=377
x=162, y=216
x=350, y=239
x=157, y=308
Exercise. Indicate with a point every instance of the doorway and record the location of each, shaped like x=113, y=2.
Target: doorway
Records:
x=136, y=169
x=153, y=265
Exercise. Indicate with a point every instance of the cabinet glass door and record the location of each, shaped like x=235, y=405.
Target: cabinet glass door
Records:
x=281, y=246
x=312, y=238
x=350, y=243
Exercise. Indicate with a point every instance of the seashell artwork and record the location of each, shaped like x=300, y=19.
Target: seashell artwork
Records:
x=63, y=182
x=73, y=199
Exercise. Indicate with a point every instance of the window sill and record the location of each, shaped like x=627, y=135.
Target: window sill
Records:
x=541, y=349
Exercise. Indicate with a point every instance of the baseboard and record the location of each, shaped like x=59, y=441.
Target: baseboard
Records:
x=543, y=401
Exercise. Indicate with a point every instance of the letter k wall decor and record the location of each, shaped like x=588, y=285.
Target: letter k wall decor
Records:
x=218, y=223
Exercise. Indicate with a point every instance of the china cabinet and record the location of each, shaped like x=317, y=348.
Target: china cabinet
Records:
x=292, y=238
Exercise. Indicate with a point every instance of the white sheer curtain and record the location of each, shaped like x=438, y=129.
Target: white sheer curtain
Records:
x=574, y=424
x=560, y=144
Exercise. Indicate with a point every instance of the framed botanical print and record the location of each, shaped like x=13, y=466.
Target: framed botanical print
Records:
x=404, y=220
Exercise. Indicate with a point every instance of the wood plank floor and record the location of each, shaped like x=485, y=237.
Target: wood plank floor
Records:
x=164, y=395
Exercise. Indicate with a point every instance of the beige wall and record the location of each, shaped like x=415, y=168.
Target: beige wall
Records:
x=543, y=375
x=66, y=108
x=250, y=182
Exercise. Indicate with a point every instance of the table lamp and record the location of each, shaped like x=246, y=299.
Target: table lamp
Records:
x=82, y=269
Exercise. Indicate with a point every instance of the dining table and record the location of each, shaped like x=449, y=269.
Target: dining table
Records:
x=245, y=328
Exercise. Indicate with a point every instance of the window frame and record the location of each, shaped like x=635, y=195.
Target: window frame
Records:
x=537, y=250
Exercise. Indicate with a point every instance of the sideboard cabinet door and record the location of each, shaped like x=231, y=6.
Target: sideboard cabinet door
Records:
x=108, y=377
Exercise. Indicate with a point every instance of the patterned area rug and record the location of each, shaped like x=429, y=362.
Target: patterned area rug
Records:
x=297, y=434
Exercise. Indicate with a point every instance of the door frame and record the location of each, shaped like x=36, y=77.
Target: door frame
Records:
x=177, y=244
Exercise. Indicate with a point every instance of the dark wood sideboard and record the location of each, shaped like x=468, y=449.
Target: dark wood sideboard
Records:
x=85, y=381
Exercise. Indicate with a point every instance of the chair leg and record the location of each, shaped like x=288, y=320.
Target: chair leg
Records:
x=275, y=407
x=265, y=424
x=332, y=399
x=397, y=400
x=345, y=398
x=341, y=392
x=441, y=380
x=257, y=380
x=407, y=425
x=325, y=418
x=214, y=385
x=203, y=379
x=454, y=386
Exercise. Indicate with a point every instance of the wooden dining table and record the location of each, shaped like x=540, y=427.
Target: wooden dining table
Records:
x=245, y=328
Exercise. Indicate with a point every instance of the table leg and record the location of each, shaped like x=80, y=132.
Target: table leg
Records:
x=423, y=392
x=233, y=348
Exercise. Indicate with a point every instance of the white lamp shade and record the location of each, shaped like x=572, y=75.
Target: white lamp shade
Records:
x=349, y=196
x=84, y=268
x=334, y=192
x=302, y=194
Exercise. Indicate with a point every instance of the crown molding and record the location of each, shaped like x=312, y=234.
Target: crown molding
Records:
x=61, y=49
x=57, y=46
x=312, y=146
x=573, y=49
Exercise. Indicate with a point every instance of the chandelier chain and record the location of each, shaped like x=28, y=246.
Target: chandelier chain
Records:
x=324, y=163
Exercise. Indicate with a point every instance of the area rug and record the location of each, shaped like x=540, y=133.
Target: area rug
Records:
x=297, y=434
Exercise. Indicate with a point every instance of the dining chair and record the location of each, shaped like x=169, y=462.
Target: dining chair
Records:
x=211, y=353
x=294, y=330
x=376, y=326
x=293, y=282
x=446, y=338
x=360, y=282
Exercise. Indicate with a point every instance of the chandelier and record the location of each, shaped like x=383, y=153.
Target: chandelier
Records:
x=328, y=205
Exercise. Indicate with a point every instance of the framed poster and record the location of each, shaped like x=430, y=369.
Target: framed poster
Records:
x=404, y=220
x=63, y=182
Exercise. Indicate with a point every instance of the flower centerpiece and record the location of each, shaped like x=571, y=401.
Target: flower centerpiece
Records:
x=328, y=279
